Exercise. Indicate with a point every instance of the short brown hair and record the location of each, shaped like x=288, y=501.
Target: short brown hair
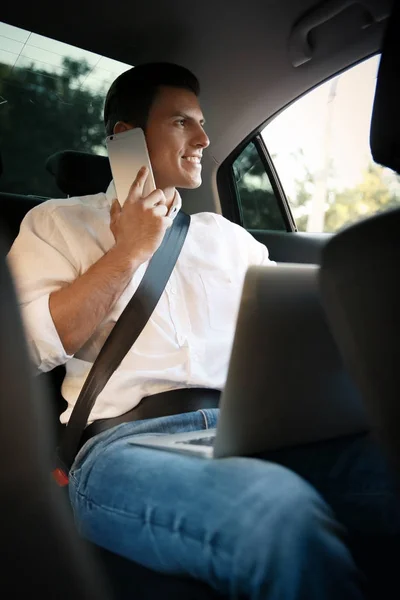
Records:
x=131, y=95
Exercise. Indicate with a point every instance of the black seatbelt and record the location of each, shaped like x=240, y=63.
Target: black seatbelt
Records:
x=122, y=337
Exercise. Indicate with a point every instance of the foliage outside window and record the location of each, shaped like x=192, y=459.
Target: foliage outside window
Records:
x=51, y=99
x=320, y=147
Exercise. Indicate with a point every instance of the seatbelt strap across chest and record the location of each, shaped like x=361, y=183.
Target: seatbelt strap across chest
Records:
x=122, y=337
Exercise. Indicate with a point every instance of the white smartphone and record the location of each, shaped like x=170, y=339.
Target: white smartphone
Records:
x=127, y=153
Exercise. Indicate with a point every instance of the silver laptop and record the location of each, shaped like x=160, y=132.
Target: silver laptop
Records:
x=286, y=382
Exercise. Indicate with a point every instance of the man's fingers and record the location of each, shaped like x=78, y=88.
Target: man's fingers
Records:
x=136, y=189
x=156, y=198
x=160, y=210
x=168, y=222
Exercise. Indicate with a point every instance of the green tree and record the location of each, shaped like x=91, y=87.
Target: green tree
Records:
x=301, y=201
x=371, y=196
x=43, y=113
x=257, y=199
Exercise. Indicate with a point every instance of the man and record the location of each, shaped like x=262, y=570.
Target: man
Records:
x=246, y=526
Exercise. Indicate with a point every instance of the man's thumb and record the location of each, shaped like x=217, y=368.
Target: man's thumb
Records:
x=115, y=209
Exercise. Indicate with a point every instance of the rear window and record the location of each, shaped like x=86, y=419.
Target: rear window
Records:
x=51, y=99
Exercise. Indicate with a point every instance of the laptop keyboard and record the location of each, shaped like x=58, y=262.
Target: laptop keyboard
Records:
x=203, y=441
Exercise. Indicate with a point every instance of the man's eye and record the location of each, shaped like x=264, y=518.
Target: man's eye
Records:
x=182, y=122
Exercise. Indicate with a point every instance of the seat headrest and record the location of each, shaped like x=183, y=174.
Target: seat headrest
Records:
x=385, y=123
x=79, y=173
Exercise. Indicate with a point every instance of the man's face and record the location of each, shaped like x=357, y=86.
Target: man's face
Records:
x=176, y=138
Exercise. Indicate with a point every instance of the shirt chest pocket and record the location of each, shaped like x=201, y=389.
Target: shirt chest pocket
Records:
x=222, y=295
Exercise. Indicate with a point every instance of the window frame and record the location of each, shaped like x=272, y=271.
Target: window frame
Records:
x=227, y=188
x=225, y=182
x=306, y=93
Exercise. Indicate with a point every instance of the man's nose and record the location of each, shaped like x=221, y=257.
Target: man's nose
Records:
x=201, y=140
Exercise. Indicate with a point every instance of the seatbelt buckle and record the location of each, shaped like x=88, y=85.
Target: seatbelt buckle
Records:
x=60, y=476
x=60, y=473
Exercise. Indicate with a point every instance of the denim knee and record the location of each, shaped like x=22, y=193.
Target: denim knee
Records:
x=290, y=540
x=291, y=501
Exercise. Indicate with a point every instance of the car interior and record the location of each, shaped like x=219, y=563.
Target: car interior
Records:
x=254, y=60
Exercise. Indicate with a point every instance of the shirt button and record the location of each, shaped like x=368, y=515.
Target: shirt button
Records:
x=173, y=290
x=181, y=339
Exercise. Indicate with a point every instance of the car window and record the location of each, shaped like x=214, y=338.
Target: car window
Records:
x=320, y=148
x=258, y=204
x=51, y=99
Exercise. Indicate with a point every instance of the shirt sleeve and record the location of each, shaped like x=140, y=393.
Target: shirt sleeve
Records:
x=41, y=263
x=257, y=253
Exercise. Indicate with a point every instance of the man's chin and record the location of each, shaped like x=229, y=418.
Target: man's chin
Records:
x=190, y=185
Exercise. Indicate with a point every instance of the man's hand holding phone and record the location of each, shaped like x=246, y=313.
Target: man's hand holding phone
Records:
x=140, y=225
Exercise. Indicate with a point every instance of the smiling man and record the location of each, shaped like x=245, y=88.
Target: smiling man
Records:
x=175, y=139
x=248, y=527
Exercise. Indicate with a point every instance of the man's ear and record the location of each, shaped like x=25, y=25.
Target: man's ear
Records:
x=121, y=126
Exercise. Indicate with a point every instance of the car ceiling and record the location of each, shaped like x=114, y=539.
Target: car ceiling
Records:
x=238, y=49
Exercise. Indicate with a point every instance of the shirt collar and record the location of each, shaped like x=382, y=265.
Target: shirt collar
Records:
x=173, y=211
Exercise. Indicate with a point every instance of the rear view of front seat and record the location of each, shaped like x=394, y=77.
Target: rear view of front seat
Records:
x=361, y=266
x=360, y=286
x=359, y=279
x=41, y=554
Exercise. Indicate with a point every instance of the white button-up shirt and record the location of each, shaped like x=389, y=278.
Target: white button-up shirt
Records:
x=188, y=339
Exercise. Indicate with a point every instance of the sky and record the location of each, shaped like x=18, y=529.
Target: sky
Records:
x=22, y=48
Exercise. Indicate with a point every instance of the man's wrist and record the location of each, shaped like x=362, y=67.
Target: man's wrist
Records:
x=125, y=260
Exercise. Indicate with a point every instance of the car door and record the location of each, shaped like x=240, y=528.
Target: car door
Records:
x=309, y=172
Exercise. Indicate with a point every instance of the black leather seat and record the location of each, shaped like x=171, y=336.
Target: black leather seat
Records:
x=41, y=554
x=385, y=122
x=79, y=173
x=360, y=291
x=13, y=208
x=361, y=265
x=69, y=168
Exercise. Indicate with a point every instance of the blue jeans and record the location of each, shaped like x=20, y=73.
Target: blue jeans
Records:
x=248, y=527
